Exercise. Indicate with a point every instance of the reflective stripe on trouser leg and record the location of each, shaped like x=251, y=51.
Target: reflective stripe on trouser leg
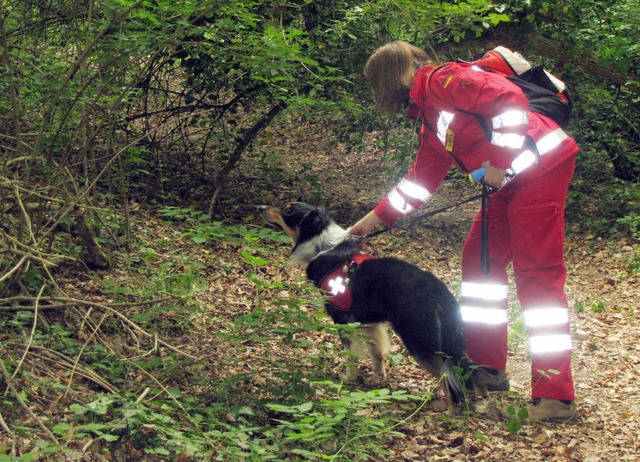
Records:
x=484, y=299
x=536, y=216
x=550, y=348
x=485, y=322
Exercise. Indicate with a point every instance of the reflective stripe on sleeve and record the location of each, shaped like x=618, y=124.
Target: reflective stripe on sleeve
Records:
x=405, y=190
x=413, y=190
x=550, y=343
x=511, y=118
x=444, y=120
x=399, y=202
x=507, y=140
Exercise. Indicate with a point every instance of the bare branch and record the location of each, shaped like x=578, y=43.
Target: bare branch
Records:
x=23, y=405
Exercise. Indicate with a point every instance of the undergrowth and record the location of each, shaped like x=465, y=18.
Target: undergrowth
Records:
x=147, y=371
x=182, y=356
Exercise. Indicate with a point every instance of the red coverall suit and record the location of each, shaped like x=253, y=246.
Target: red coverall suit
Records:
x=526, y=215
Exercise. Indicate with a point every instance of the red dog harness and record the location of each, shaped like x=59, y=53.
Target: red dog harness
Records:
x=336, y=283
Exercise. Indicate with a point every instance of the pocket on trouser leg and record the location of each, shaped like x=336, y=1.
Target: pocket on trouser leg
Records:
x=537, y=235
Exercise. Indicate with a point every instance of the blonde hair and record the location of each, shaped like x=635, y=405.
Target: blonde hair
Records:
x=391, y=69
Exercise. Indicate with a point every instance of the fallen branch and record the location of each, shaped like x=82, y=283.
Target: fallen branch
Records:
x=23, y=405
x=11, y=434
x=64, y=362
x=64, y=302
x=9, y=303
x=76, y=363
x=16, y=268
x=33, y=330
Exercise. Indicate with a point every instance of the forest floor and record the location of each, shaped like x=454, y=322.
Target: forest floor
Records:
x=603, y=294
x=245, y=348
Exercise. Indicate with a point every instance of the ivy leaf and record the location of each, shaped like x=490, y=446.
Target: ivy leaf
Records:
x=305, y=407
x=514, y=426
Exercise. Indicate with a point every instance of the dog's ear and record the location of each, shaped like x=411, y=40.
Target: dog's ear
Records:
x=311, y=218
x=312, y=224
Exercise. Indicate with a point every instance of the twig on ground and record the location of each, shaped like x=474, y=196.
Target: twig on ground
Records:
x=33, y=330
x=10, y=304
x=64, y=362
x=17, y=267
x=11, y=434
x=24, y=406
x=125, y=320
x=77, y=360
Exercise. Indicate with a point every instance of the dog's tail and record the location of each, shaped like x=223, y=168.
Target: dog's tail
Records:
x=458, y=368
x=458, y=378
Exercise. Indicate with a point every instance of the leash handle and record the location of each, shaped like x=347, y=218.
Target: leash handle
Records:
x=477, y=176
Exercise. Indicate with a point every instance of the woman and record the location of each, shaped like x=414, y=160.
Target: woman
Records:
x=472, y=118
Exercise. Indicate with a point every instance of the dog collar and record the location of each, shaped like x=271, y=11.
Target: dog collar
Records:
x=336, y=283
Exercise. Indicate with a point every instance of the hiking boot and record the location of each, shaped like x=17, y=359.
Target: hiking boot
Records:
x=549, y=410
x=552, y=410
x=491, y=379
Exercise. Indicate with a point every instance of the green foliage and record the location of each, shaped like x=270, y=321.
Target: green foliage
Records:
x=517, y=328
x=517, y=333
x=597, y=307
x=633, y=262
x=593, y=306
x=147, y=425
x=263, y=54
x=200, y=228
x=632, y=223
x=353, y=425
x=517, y=417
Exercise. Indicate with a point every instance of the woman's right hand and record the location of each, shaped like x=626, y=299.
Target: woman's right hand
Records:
x=493, y=176
x=365, y=225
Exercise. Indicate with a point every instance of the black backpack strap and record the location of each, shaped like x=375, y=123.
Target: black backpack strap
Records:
x=484, y=125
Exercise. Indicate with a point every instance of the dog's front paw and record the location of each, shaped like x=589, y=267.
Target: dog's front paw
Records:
x=378, y=381
x=379, y=371
x=439, y=405
x=351, y=374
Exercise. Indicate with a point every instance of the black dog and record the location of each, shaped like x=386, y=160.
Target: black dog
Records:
x=418, y=305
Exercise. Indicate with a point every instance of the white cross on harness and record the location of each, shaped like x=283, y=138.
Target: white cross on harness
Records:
x=337, y=287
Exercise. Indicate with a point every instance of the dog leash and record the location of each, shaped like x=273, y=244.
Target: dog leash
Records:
x=430, y=214
x=484, y=230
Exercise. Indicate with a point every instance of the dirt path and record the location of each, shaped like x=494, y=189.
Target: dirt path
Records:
x=604, y=298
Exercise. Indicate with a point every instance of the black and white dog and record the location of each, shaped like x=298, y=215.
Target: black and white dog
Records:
x=418, y=305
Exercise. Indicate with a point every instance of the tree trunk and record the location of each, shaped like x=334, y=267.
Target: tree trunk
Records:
x=246, y=141
x=95, y=257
